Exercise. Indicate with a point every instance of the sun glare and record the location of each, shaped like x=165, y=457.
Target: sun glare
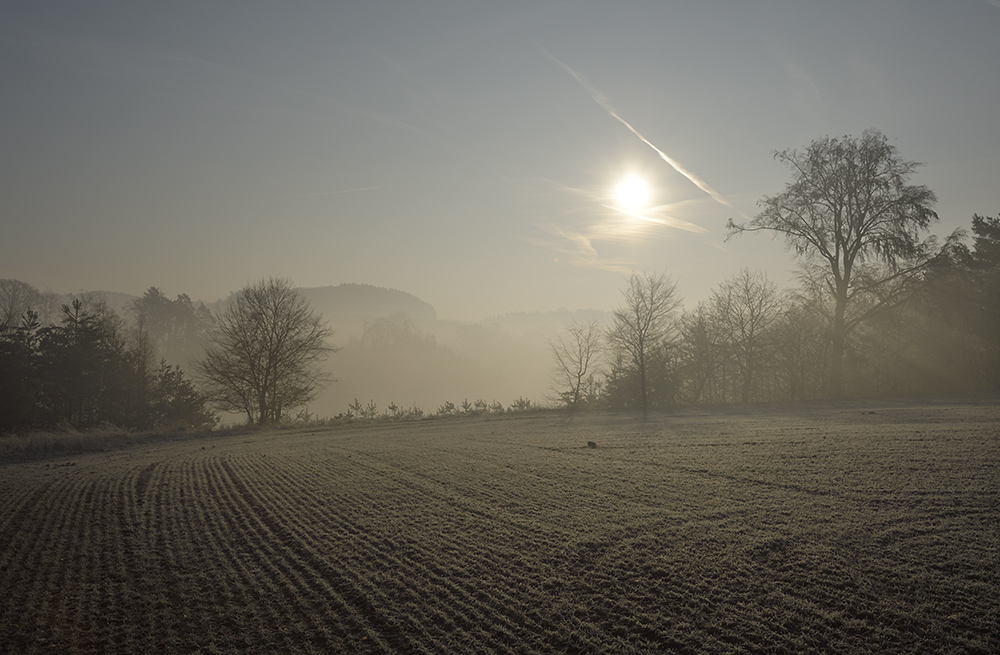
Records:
x=632, y=193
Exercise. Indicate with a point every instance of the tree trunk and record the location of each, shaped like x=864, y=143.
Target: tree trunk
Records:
x=642, y=380
x=837, y=339
x=262, y=403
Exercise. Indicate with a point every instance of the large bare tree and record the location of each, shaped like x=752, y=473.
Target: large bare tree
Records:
x=850, y=213
x=644, y=324
x=263, y=358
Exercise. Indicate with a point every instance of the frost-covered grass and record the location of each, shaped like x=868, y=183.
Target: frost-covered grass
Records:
x=841, y=527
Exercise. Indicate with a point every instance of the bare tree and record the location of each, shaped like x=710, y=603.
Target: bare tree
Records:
x=746, y=306
x=850, y=210
x=576, y=352
x=702, y=351
x=16, y=298
x=801, y=360
x=263, y=359
x=643, y=326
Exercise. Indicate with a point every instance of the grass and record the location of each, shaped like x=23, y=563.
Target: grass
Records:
x=67, y=440
x=862, y=527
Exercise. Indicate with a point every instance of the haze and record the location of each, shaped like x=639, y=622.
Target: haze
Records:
x=468, y=154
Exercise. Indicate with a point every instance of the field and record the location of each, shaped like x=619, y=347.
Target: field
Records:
x=849, y=528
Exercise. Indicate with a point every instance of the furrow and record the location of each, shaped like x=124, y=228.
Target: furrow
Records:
x=506, y=579
x=26, y=566
x=461, y=599
x=103, y=589
x=35, y=517
x=55, y=559
x=241, y=578
x=298, y=588
x=20, y=500
x=174, y=540
x=315, y=570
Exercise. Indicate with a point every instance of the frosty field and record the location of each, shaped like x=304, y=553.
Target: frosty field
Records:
x=843, y=527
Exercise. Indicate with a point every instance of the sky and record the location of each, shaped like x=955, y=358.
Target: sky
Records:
x=465, y=152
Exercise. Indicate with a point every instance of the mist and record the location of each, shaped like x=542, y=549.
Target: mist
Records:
x=749, y=342
x=393, y=349
x=389, y=347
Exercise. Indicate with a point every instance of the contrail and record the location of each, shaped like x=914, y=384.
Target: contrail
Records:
x=603, y=102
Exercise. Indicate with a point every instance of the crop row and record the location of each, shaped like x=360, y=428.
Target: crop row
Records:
x=780, y=532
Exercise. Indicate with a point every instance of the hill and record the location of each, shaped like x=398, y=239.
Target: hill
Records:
x=347, y=306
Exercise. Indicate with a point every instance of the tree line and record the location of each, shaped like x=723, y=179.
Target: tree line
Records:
x=259, y=357
x=89, y=366
x=881, y=308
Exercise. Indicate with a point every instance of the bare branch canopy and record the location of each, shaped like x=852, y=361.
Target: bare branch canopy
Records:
x=263, y=359
x=850, y=213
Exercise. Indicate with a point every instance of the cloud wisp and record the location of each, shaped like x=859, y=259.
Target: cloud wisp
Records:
x=596, y=220
x=591, y=221
x=659, y=216
x=602, y=100
x=577, y=248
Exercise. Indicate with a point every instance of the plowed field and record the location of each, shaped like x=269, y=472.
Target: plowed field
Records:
x=849, y=528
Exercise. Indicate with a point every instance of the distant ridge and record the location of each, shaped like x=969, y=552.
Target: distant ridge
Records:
x=336, y=302
x=348, y=306
x=368, y=300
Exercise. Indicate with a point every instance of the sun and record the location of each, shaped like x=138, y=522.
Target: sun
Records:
x=632, y=193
